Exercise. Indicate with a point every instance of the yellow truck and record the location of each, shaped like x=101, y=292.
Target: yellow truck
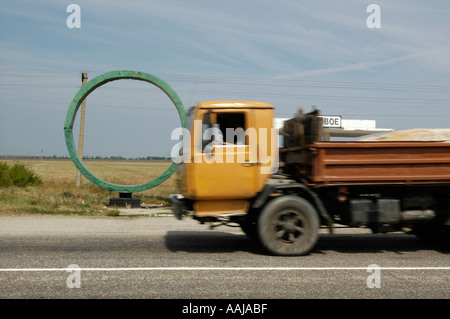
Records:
x=232, y=172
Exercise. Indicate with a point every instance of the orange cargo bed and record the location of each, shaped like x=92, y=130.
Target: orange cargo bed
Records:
x=365, y=163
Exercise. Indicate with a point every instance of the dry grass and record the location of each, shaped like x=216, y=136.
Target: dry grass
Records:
x=59, y=195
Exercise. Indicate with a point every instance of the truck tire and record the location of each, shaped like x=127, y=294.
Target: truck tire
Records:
x=288, y=226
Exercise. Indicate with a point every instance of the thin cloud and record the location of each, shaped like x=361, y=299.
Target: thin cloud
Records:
x=423, y=55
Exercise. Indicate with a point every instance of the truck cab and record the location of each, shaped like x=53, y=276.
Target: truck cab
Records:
x=229, y=157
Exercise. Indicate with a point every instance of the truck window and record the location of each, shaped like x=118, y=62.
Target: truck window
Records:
x=235, y=123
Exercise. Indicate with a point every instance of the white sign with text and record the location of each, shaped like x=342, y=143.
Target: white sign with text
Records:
x=331, y=121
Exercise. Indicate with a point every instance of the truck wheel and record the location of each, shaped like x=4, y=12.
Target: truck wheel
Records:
x=288, y=226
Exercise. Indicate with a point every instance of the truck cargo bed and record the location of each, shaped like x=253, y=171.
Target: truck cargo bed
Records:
x=351, y=163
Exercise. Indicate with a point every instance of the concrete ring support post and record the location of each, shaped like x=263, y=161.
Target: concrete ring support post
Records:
x=81, y=95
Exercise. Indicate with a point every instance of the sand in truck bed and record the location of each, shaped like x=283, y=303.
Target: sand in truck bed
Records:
x=419, y=134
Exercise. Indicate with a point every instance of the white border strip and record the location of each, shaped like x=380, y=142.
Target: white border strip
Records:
x=217, y=268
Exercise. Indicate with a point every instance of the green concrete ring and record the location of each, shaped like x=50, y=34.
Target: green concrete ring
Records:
x=81, y=95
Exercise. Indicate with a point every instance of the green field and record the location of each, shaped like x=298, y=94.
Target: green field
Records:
x=58, y=193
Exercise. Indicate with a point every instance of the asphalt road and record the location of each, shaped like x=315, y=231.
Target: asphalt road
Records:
x=142, y=257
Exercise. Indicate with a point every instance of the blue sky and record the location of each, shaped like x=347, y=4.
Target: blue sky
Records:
x=288, y=53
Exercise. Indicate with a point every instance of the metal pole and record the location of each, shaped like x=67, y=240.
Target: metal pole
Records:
x=84, y=78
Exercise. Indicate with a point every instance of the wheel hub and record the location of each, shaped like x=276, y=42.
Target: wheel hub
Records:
x=289, y=227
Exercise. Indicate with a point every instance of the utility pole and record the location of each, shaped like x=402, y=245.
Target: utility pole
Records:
x=84, y=77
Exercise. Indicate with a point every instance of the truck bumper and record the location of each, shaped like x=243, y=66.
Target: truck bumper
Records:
x=178, y=205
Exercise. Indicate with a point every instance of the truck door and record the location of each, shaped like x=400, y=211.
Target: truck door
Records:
x=228, y=156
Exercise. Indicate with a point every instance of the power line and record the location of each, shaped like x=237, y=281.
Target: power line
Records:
x=262, y=94
x=253, y=81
